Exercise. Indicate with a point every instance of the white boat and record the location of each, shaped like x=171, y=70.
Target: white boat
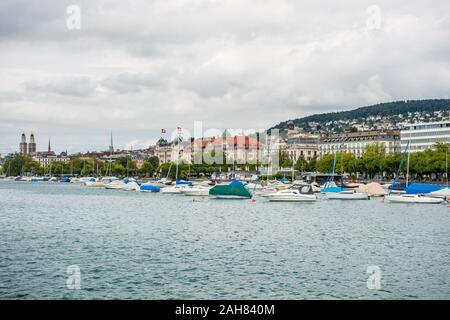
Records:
x=116, y=185
x=132, y=186
x=172, y=189
x=195, y=191
x=413, y=198
x=443, y=193
x=254, y=186
x=347, y=195
x=293, y=194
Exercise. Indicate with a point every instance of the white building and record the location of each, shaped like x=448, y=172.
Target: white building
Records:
x=45, y=159
x=356, y=142
x=305, y=146
x=425, y=135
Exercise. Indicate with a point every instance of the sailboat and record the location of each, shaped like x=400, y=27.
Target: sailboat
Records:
x=334, y=192
x=409, y=198
x=179, y=184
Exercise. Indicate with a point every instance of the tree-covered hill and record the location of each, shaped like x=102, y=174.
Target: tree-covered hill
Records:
x=392, y=114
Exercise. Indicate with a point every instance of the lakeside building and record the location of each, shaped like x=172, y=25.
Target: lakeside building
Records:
x=163, y=150
x=46, y=158
x=296, y=142
x=356, y=142
x=306, y=146
x=424, y=135
x=238, y=149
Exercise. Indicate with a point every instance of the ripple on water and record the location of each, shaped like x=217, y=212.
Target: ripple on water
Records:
x=152, y=246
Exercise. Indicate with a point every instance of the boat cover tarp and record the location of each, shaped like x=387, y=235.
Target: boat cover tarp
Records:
x=333, y=189
x=149, y=187
x=422, y=188
x=182, y=182
x=233, y=189
x=373, y=189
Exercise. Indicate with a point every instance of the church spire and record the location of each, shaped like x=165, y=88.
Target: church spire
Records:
x=111, y=146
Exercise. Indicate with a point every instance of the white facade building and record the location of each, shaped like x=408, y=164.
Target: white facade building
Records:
x=425, y=135
x=356, y=142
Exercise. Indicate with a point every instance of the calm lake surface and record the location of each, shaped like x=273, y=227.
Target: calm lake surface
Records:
x=133, y=245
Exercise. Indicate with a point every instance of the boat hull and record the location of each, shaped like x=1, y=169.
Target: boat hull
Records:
x=413, y=199
x=229, y=197
x=347, y=196
x=303, y=198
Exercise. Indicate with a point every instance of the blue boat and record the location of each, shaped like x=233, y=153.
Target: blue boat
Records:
x=146, y=187
x=183, y=182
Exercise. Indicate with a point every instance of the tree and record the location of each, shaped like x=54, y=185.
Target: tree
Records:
x=19, y=165
x=285, y=160
x=373, y=158
x=301, y=164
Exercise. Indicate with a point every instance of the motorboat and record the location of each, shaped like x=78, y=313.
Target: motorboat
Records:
x=347, y=195
x=303, y=193
x=195, y=191
x=413, y=198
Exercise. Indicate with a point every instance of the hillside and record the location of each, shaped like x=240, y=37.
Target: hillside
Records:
x=392, y=115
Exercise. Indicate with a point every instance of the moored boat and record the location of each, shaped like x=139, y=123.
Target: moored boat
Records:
x=347, y=195
x=149, y=187
x=116, y=185
x=195, y=191
x=413, y=198
x=303, y=193
x=234, y=190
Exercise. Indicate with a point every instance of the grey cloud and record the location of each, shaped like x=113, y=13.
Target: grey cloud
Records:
x=77, y=87
x=131, y=83
x=144, y=65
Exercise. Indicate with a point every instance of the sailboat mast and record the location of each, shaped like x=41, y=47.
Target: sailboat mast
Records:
x=111, y=149
x=178, y=153
x=446, y=164
x=409, y=156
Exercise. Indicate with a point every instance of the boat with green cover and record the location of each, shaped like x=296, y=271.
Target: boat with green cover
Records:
x=234, y=190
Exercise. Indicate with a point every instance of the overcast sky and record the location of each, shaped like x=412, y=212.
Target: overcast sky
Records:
x=135, y=67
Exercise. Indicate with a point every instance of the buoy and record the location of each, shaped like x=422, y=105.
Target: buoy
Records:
x=253, y=200
x=382, y=200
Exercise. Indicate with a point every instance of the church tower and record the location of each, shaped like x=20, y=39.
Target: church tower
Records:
x=32, y=146
x=23, y=145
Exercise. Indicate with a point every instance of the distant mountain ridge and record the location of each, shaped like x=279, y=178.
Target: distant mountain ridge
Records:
x=391, y=115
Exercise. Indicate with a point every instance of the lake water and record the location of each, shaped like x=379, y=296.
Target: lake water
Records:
x=132, y=245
